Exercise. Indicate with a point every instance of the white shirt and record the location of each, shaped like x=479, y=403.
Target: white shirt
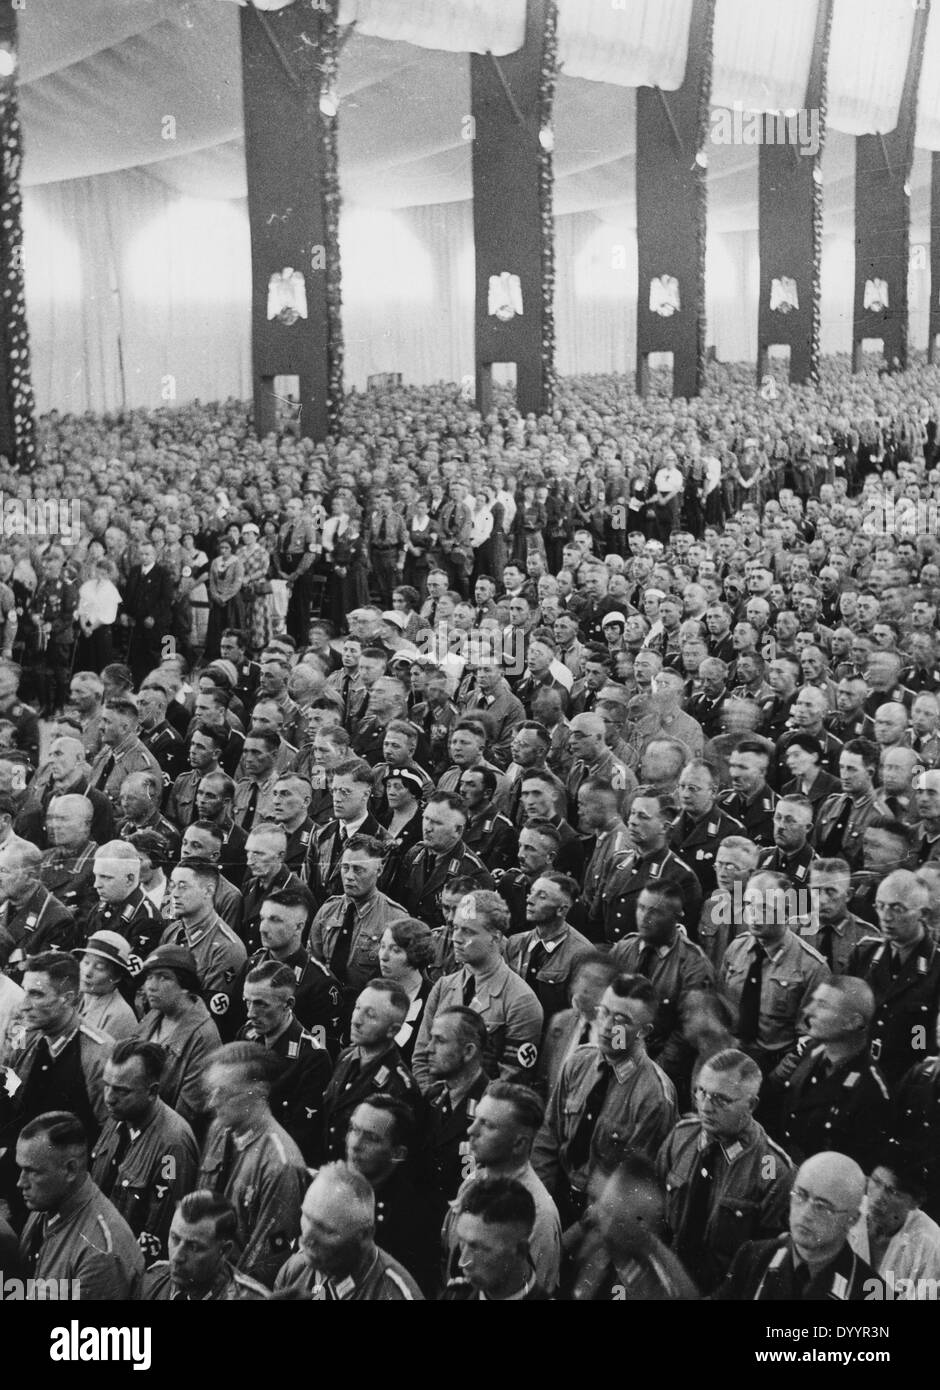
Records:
x=912, y=1254
x=156, y=892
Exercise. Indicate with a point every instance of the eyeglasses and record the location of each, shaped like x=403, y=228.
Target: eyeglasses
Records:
x=817, y=1205
x=892, y=909
x=715, y=1098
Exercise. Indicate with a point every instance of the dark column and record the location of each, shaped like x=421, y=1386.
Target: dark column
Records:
x=17, y=404
x=510, y=104
x=671, y=208
x=288, y=62
x=790, y=222
x=883, y=217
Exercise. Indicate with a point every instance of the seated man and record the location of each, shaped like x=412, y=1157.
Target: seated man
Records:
x=199, y=1269
x=814, y=1260
x=73, y=1235
x=726, y=1180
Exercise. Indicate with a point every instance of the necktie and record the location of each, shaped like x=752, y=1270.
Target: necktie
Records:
x=585, y=1035
x=117, y=1158
x=347, y=682
x=248, y=814
x=107, y=767
x=537, y=959
x=579, y=1150
x=339, y=960
x=383, y=529
x=802, y=1278
x=469, y=990
x=432, y=616
x=749, y=1007
x=691, y=1245
x=228, y=1162
x=824, y=941
x=646, y=961
x=32, y=1248
x=894, y=967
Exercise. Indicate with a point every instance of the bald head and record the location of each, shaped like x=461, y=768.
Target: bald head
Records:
x=824, y=1204
x=835, y=1177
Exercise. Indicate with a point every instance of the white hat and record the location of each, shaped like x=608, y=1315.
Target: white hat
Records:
x=613, y=618
x=391, y=615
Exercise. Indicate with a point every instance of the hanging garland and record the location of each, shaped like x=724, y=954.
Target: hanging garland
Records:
x=21, y=402
x=329, y=68
x=548, y=73
x=815, y=341
x=701, y=189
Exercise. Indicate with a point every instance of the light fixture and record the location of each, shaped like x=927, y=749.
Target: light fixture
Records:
x=701, y=159
x=817, y=175
x=547, y=138
x=329, y=104
x=7, y=61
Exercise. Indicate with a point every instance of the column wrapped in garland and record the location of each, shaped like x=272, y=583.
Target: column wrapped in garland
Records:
x=332, y=201
x=18, y=438
x=547, y=78
x=823, y=106
x=707, y=50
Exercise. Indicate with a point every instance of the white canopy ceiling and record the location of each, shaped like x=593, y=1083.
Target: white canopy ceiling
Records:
x=99, y=78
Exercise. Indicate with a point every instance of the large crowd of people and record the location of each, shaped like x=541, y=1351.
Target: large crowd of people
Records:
x=476, y=858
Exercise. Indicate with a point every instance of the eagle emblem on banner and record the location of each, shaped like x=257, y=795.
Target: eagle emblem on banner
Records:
x=876, y=295
x=505, y=297
x=783, y=296
x=287, y=296
x=664, y=296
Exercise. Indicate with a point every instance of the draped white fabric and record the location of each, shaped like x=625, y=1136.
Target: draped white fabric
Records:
x=868, y=54
x=634, y=43
x=136, y=227
x=762, y=53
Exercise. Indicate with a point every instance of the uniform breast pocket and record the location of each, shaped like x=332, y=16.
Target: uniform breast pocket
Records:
x=675, y=1181
x=783, y=996
x=734, y=1222
x=367, y=947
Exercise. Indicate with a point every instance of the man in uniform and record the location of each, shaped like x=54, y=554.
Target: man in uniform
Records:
x=146, y=1156
x=441, y=856
x=31, y=919
x=68, y=867
x=750, y=800
x=122, y=904
x=219, y=954
x=916, y=1131
x=157, y=733
x=489, y=834
x=701, y=824
x=546, y=956
x=297, y=1094
x=53, y=611
x=903, y=969
x=148, y=609
x=282, y=927
x=650, y=861
x=663, y=954
x=372, y=1064
x=338, y=1260
x=726, y=1180
x=485, y=983
x=831, y=928
x=202, y=1239
x=769, y=974
x=24, y=720
x=74, y=1235
x=599, y=816
x=265, y=849
x=296, y=554
x=206, y=745
x=792, y=853
x=348, y=928
x=493, y=1233
x=387, y=538
x=831, y=1095
x=456, y=1045
x=141, y=794
x=813, y=1260
x=350, y=789
x=610, y=1099
x=121, y=751
x=250, y=1159
x=842, y=819
x=291, y=805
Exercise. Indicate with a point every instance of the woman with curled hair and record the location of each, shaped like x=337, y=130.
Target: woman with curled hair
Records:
x=405, y=953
